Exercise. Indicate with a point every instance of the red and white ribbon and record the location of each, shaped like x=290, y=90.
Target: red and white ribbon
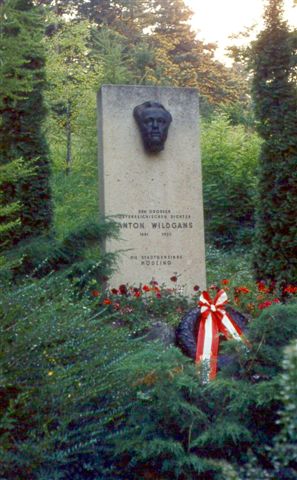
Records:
x=214, y=320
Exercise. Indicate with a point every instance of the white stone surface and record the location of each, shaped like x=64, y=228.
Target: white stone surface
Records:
x=157, y=198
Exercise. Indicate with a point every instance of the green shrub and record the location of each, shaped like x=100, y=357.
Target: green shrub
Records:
x=269, y=334
x=282, y=456
x=232, y=264
x=45, y=254
x=284, y=452
x=82, y=397
x=57, y=391
x=61, y=393
x=229, y=159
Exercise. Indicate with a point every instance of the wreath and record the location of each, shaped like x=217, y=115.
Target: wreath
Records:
x=198, y=333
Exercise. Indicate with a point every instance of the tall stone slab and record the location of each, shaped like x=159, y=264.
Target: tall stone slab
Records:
x=155, y=197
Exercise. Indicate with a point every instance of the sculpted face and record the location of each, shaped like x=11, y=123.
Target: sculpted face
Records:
x=153, y=121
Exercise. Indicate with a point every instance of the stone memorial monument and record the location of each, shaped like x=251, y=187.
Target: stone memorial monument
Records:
x=150, y=183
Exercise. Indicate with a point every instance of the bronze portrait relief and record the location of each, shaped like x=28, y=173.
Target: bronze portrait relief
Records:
x=153, y=121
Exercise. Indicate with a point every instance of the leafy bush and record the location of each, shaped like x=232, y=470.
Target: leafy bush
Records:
x=45, y=255
x=229, y=159
x=57, y=357
x=61, y=390
x=283, y=453
x=83, y=397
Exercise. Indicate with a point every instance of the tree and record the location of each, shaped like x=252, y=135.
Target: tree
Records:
x=183, y=60
x=71, y=77
x=274, y=91
x=108, y=51
x=160, y=47
x=23, y=112
x=13, y=81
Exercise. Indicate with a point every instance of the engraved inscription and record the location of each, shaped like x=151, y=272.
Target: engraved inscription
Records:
x=156, y=260
x=155, y=220
x=159, y=223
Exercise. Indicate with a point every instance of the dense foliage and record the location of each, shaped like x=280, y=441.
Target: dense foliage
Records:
x=85, y=394
x=229, y=161
x=273, y=59
x=22, y=114
x=11, y=174
x=157, y=44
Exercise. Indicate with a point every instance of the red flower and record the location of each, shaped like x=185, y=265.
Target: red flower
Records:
x=196, y=288
x=116, y=306
x=137, y=294
x=95, y=293
x=107, y=301
x=114, y=291
x=154, y=282
x=262, y=287
x=173, y=279
x=241, y=290
x=225, y=281
x=158, y=295
x=146, y=288
x=290, y=289
x=123, y=289
x=265, y=304
x=268, y=303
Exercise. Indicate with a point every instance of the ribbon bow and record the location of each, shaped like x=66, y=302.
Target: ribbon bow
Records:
x=213, y=321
